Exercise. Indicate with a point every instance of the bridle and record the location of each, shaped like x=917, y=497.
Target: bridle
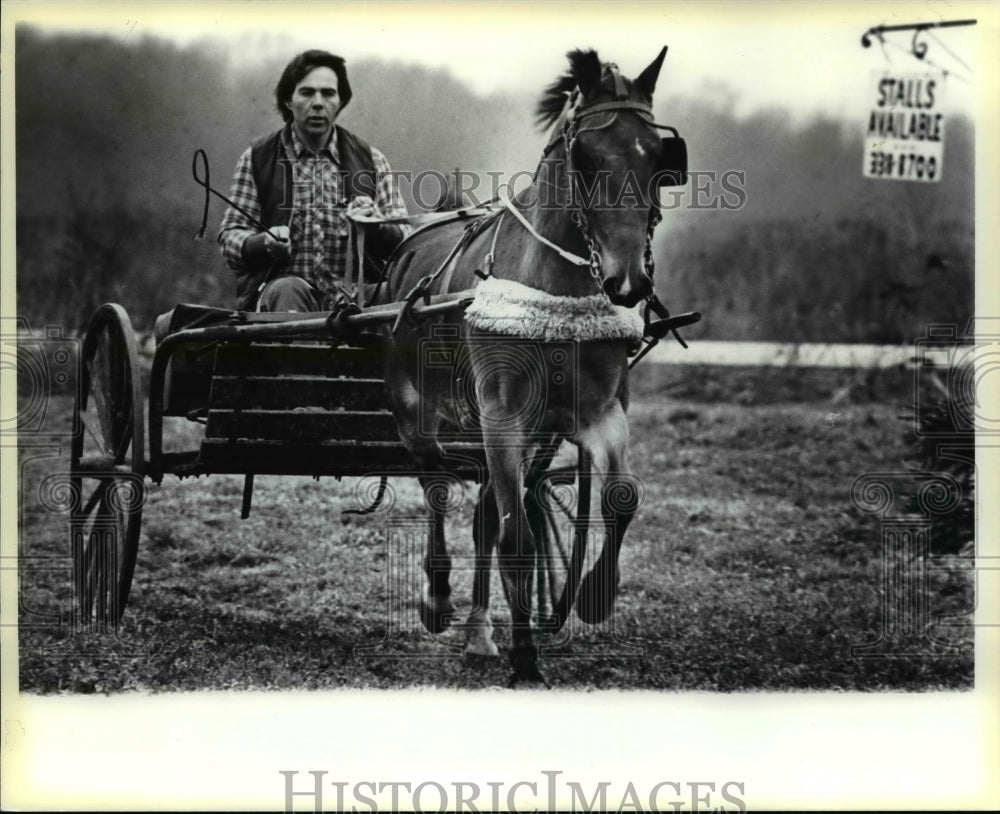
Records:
x=569, y=134
x=672, y=149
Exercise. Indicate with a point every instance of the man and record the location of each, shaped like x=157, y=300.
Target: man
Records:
x=302, y=182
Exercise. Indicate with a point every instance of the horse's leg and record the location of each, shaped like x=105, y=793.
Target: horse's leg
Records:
x=412, y=412
x=515, y=552
x=479, y=632
x=436, y=608
x=608, y=442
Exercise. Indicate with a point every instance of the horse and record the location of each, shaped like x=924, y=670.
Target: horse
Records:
x=572, y=238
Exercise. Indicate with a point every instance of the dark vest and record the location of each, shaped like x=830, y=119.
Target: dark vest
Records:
x=273, y=177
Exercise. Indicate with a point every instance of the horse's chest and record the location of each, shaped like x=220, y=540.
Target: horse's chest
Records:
x=550, y=387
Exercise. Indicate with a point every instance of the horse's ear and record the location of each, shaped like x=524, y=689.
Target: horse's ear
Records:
x=586, y=68
x=646, y=81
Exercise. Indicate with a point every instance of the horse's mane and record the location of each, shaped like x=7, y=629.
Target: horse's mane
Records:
x=553, y=99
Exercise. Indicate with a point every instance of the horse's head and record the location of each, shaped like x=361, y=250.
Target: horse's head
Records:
x=603, y=133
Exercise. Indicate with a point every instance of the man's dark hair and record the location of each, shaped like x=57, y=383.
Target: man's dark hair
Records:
x=296, y=70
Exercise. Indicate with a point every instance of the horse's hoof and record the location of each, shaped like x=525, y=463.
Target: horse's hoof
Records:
x=481, y=648
x=436, y=615
x=528, y=680
x=526, y=673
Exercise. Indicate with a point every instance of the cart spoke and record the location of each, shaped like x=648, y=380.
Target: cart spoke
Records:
x=109, y=449
x=554, y=496
x=98, y=495
x=89, y=430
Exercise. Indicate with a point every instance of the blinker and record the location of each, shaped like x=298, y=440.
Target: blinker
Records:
x=672, y=170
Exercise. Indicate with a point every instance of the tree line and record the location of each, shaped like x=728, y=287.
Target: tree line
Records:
x=107, y=208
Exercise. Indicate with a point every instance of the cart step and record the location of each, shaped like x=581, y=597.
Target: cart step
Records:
x=300, y=424
x=288, y=392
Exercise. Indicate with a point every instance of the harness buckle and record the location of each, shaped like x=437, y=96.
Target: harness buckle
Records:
x=420, y=291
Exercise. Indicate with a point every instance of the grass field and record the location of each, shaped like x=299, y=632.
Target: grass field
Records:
x=747, y=567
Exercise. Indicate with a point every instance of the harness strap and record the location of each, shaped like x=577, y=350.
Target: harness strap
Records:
x=428, y=217
x=575, y=259
x=472, y=231
x=621, y=92
x=422, y=289
x=488, y=260
x=607, y=107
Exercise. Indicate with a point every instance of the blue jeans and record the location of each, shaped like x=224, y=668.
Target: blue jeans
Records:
x=289, y=293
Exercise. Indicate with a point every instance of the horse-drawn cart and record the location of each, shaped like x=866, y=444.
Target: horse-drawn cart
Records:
x=544, y=333
x=274, y=394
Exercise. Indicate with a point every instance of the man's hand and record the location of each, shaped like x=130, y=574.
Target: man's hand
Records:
x=272, y=246
x=277, y=244
x=362, y=207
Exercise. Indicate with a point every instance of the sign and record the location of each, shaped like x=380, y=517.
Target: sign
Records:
x=904, y=134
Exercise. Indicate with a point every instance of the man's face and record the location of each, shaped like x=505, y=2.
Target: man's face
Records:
x=315, y=103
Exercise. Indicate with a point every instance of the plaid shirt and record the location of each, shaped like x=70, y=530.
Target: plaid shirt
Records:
x=319, y=227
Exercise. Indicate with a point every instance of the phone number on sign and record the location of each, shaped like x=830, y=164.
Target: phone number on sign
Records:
x=902, y=165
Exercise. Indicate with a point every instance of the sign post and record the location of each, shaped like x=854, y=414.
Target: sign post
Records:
x=904, y=134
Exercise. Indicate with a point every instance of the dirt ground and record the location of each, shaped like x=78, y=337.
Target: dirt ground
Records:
x=748, y=566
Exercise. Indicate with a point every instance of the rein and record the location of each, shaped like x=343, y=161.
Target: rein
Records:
x=572, y=258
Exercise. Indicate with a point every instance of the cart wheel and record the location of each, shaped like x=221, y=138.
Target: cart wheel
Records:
x=558, y=506
x=107, y=467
